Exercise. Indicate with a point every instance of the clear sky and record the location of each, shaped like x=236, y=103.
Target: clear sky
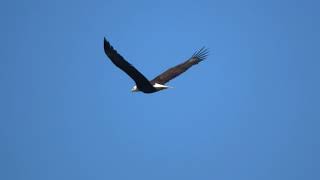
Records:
x=250, y=111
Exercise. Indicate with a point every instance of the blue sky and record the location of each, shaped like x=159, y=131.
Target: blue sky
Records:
x=250, y=111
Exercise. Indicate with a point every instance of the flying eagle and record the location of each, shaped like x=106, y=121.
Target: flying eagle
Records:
x=158, y=83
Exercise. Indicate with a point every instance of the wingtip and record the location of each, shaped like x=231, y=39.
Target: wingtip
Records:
x=201, y=54
x=106, y=45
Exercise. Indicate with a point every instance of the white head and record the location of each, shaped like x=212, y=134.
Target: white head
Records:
x=135, y=89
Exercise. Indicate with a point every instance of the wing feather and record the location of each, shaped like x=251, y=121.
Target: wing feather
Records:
x=175, y=71
x=141, y=81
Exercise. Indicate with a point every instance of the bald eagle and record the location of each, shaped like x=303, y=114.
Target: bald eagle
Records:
x=158, y=83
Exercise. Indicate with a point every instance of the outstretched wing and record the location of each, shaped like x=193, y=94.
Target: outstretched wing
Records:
x=141, y=81
x=173, y=72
